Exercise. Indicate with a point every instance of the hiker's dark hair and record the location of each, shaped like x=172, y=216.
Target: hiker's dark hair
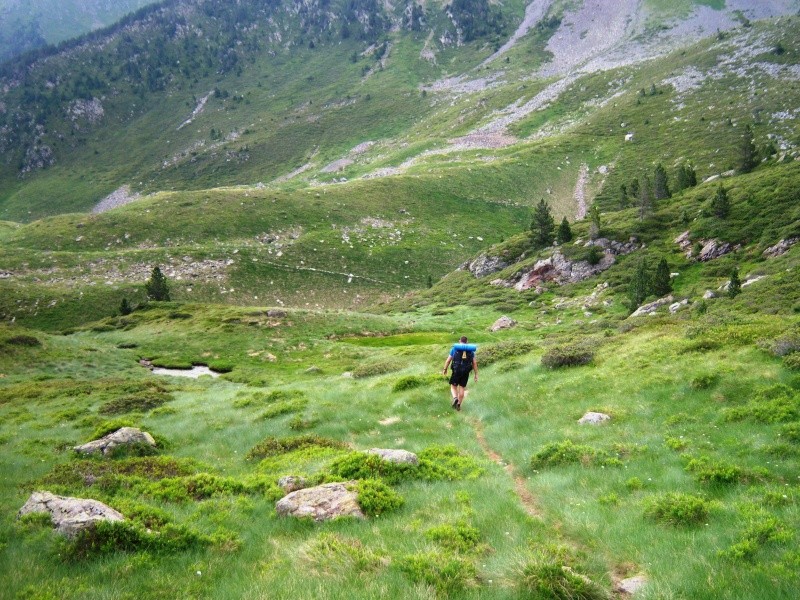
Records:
x=463, y=339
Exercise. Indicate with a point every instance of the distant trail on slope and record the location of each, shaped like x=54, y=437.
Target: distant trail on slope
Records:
x=534, y=13
x=525, y=496
x=580, y=191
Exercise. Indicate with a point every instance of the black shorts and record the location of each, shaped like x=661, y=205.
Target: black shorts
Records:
x=459, y=378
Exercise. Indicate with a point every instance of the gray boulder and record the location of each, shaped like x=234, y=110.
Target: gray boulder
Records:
x=291, y=483
x=486, y=265
x=503, y=322
x=396, y=456
x=276, y=314
x=781, y=247
x=651, y=307
x=714, y=249
x=321, y=503
x=631, y=585
x=127, y=436
x=594, y=418
x=69, y=515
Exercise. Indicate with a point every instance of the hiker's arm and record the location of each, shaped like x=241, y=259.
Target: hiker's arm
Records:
x=447, y=364
x=475, y=368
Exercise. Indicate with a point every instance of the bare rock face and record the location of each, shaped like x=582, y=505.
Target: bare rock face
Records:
x=594, y=418
x=651, y=307
x=291, y=483
x=69, y=515
x=321, y=503
x=396, y=456
x=503, y=322
x=781, y=247
x=714, y=249
x=676, y=306
x=127, y=436
x=486, y=265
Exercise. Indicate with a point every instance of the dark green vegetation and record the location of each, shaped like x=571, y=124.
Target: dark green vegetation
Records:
x=328, y=309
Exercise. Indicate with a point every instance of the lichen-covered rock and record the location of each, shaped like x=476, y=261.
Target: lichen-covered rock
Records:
x=69, y=515
x=651, y=307
x=594, y=418
x=676, y=306
x=395, y=456
x=321, y=503
x=292, y=483
x=126, y=436
x=486, y=265
x=503, y=322
x=714, y=249
x=781, y=247
x=709, y=294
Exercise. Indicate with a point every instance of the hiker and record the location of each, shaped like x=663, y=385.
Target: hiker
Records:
x=462, y=359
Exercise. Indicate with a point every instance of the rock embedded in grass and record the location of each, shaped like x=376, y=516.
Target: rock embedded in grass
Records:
x=594, y=418
x=322, y=503
x=395, y=456
x=631, y=585
x=126, y=436
x=503, y=322
x=291, y=483
x=69, y=515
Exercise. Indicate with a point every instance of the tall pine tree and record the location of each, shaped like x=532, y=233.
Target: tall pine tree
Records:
x=686, y=177
x=639, y=287
x=720, y=205
x=645, y=199
x=542, y=225
x=660, y=183
x=662, y=283
x=156, y=286
x=564, y=233
x=735, y=284
x=747, y=152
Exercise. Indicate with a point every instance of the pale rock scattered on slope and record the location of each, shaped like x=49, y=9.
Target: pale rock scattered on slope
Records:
x=781, y=247
x=395, y=456
x=594, y=418
x=651, y=307
x=69, y=515
x=126, y=436
x=503, y=322
x=321, y=503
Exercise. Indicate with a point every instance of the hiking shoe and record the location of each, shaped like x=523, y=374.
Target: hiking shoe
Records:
x=455, y=403
x=458, y=406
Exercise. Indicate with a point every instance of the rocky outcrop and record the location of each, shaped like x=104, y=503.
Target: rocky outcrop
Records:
x=486, y=265
x=69, y=515
x=781, y=247
x=503, y=322
x=395, y=456
x=594, y=418
x=710, y=249
x=651, y=307
x=676, y=306
x=126, y=436
x=321, y=503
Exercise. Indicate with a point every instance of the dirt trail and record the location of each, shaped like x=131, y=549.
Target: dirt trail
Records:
x=580, y=191
x=525, y=496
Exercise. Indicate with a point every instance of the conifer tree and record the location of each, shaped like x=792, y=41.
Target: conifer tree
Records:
x=156, y=286
x=645, y=199
x=720, y=205
x=594, y=222
x=542, y=225
x=639, y=287
x=660, y=183
x=735, y=284
x=747, y=152
x=125, y=307
x=564, y=233
x=623, y=196
x=686, y=177
x=634, y=189
x=662, y=283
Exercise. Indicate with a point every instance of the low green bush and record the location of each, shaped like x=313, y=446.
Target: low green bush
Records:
x=376, y=498
x=714, y=472
x=570, y=453
x=775, y=404
x=28, y=341
x=140, y=402
x=447, y=574
x=410, y=382
x=792, y=361
x=107, y=427
x=273, y=446
x=489, y=354
x=678, y=509
x=194, y=487
x=547, y=575
x=676, y=444
x=332, y=552
x=704, y=382
x=791, y=432
x=461, y=537
x=376, y=368
x=761, y=531
x=567, y=356
x=284, y=407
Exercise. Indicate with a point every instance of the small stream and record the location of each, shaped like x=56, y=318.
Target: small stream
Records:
x=193, y=373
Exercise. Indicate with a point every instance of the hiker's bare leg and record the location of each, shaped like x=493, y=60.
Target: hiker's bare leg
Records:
x=462, y=392
x=453, y=391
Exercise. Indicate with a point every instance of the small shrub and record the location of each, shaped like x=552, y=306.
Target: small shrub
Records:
x=785, y=345
x=760, y=532
x=298, y=423
x=460, y=537
x=712, y=472
x=27, y=341
x=678, y=509
x=138, y=402
x=634, y=484
x=284, y=407
x=376, y=498
x=791, y=432
x=547, y=576
x=411, y=382
x=447, y=463
x=566, y=356
x=792, y=361
x=361, y=466
x=570, y=453
x=492, y=353
x=442, y=571
x=375, y=368
x=704, y=382
x=334, y=552
x=436, y=463
x=676, y=444
x=107, y=427
x=273, y=446
x=611, y=499
x=195, y=487
x=775, y=404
